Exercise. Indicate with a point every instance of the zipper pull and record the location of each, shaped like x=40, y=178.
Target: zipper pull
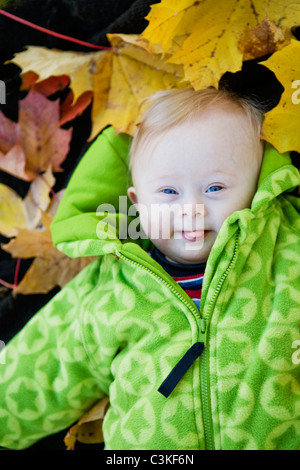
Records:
x=203, y=328
x=180, y=369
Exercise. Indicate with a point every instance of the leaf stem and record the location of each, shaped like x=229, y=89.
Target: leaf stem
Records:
x=17, y=272
x=6, y=284
x=16, y=276
x=53, y=33
x=50, y=187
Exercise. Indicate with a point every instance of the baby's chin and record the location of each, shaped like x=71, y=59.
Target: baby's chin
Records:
x=189, y=257
x=186, y=261
x=185, y=251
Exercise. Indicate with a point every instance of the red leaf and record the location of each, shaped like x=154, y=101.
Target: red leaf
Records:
x=52, y=85
x=46, y=87
x=69, y=112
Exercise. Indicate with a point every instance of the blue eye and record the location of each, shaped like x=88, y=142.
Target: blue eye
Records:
x=169, y=191
x=214, y=188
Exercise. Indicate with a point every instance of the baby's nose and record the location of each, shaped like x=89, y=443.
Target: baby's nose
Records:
x=192, y=210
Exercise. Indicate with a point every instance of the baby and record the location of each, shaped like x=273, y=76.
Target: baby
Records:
x=198, y=155
x=189, y=332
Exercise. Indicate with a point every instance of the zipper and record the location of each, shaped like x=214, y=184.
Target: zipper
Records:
x=204, y=374
x=175, y=289
x=203, y=324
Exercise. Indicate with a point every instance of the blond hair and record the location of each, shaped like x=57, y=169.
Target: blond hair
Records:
x=171, y=108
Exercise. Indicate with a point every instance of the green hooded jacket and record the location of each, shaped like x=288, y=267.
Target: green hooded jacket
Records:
x=122, y=324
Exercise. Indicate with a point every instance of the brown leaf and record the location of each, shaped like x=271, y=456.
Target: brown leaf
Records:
x=42, y=139
x=264, y=39
x=50, y=267
x=9, y=134
x=88, y=430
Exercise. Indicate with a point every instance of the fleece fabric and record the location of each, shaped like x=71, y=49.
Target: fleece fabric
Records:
x=122, y=324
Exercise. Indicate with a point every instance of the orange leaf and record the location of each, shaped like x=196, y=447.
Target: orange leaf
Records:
x=28, y=79
x=52, y=85
x=47, y=87
x=69, y=111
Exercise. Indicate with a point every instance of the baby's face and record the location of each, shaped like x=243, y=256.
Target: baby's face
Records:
x=191, y=178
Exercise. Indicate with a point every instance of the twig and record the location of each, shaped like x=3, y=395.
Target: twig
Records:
x=16, y=276
x=52, y=33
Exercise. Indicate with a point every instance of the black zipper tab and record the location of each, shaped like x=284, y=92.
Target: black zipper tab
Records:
x=180, y=369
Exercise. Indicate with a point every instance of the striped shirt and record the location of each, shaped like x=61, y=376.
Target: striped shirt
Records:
x=188, y=276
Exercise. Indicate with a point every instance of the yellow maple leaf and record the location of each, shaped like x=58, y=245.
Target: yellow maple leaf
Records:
x=12, y=213
x=129, y=74
x=79, y=66
x=120, y=78
x=204, y=36
x=281, y=124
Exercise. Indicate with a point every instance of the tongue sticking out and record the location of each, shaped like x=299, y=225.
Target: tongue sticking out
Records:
x=193, y=235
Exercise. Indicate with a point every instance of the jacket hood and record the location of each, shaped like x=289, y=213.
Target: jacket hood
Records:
x=94, y=215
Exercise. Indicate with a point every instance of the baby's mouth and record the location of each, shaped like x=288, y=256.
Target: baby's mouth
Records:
x=193, y=235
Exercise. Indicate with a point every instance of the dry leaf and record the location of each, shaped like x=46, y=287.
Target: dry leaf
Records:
x=42, y=139
x=69, y=110
x=9, y=134
x=36, y=141
x=264, y=39
x=47, y=87
x=12, y=211
x=88, y=430
x=50, y=267
x=120, y=79
x=128, y=75
x=281, y=124
x=16, y=213
x=204, y=35
x=38, y=198
x=79, y=66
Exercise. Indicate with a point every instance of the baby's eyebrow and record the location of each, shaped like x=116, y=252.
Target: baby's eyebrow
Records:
x=161, y=177
x=211, y=174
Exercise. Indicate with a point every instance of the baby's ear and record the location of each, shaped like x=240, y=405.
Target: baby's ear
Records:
x=131, y=192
